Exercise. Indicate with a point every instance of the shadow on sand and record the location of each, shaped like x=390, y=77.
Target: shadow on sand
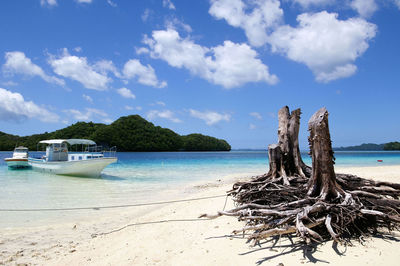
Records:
x=289, y=246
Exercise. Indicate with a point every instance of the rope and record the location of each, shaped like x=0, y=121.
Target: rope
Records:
x=110, y=207
x=161, y=221
x=144, y=223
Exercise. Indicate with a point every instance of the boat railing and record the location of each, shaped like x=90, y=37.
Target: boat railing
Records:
x=110, y=152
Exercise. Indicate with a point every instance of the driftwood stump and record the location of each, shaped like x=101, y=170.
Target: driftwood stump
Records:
x=324, y=206
x=323, y=179
x=284, y=157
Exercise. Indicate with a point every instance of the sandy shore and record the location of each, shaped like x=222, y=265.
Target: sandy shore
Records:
x=171, y=234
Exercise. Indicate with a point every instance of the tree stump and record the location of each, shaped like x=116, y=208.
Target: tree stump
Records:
x=323, y=179
x=284, y=157
x=324, y=206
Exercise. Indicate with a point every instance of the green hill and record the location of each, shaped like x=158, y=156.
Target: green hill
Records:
x=128, y=133
x=390, y=146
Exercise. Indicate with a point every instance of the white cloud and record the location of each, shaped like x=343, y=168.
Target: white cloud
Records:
x=328, y=46
x=145, y=74
x=146, y=14
x=129, y=108
x=9, y=83
x=48, y=2
x=256, y=115
x=84, y=1
x=88, y=115
x=14, y=107
x=165, y=114
x=111, y=3
x=87, y=98
x=210, y=117
x=175, y=23
x=18, y=63
x=216, y=64
x=308, y=3
x=168, y=4
x=256, y=18
x=364, y=7
x=141, y=50
x=252, y=126
x=126, y=93
x=397, y=3
x=77, y=68
x=106, y=66
x=78, y=49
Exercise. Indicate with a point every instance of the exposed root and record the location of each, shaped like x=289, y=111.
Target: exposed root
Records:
x=270, y=208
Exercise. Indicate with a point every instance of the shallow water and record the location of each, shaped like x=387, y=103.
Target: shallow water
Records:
x=136, y=177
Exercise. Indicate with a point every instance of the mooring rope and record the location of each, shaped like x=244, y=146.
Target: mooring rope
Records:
x=112, y=206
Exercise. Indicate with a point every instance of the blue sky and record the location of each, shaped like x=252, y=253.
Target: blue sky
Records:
x=219, y=67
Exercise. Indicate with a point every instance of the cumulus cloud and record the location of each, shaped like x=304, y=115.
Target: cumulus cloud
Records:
x=364, y=7
x=126, y=93
x=84, y=1
x=106, y=66
x=48, y=2
x=146, y=14
x=308, y=3
x=327, y=45
x=111, y=3
x=397, y=3
x=256, y=115
x=256, y=18
x=210, y=117
x=145, y=74
x=88, y=115
x=78, y=69
x=87, y=98
x=165, y=114
x=216, y=64
x=168, y=4
x=175, y=23
x=252, y=126
x=18, y=63
x=14, y=107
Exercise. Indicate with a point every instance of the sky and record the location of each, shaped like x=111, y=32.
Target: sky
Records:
x=217, y=67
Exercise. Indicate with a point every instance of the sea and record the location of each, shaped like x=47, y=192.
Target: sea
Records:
x=137, y=177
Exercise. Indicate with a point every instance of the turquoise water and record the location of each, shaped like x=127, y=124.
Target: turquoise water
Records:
x=140, y=177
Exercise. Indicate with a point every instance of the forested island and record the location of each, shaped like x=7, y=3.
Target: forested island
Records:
x=128, y=133
x=390, y=146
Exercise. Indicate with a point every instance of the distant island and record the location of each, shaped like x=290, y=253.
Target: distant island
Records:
x=128, y=133
x=390, y=146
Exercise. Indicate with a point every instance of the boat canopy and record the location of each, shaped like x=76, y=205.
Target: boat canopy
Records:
x=70, y=141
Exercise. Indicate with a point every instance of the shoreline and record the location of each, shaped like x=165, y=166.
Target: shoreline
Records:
x=170, y=234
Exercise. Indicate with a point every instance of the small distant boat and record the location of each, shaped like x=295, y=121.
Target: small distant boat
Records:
x=89, y=162
x=19, y=159
x=380, y=161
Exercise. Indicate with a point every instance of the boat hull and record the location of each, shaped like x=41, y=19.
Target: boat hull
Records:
x=86, y=168
x=17, y=163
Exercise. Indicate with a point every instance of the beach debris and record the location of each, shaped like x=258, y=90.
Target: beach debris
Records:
x=314, y=202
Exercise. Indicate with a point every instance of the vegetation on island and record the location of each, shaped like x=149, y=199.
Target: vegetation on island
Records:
x=128, y=133
x=390, y=146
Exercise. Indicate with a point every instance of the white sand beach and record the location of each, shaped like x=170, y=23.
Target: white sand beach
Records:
x=171, y=234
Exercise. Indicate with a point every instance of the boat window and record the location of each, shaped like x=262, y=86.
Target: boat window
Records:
x=89, y=157
x=72, y=158
x=80, y=157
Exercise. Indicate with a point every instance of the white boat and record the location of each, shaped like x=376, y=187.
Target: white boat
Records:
x=19, y=159
x=89, y=162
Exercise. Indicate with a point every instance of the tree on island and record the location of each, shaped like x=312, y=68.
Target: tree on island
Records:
x=316, y=205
